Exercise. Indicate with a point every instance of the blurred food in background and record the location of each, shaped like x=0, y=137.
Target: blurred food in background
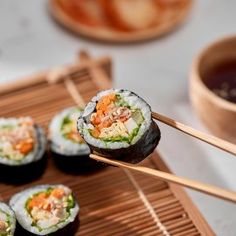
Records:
x=213, y=87
x=221, y=79
x=122, y=16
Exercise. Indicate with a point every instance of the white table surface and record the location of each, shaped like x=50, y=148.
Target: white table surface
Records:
x=157, y=70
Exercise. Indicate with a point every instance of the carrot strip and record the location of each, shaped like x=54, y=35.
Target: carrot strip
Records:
x=57, y=193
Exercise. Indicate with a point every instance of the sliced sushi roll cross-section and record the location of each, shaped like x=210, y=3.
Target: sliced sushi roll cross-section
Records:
x=117, y=124
x=21, y=141
x=70, y=151
x=63, y=134
x=7, y=220
x=45, y=209
x=22, y=145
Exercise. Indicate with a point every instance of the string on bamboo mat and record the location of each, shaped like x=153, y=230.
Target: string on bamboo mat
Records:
x=55, y=75
x=146, y=203
x=71, y=88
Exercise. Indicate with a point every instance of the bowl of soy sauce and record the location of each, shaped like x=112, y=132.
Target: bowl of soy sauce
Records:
x=213, y=87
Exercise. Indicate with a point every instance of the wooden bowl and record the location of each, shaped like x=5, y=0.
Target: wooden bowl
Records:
x=218, y=114
x=108, y=34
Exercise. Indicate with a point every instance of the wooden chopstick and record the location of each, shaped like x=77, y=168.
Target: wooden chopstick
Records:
x=210, y=139
x=192, y=184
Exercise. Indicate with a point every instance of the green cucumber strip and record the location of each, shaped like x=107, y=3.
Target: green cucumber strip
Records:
x=137, y=116
x=8, y=221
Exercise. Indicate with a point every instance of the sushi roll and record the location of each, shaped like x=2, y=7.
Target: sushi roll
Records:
x=7, y=220
x=69, y=150
x=46, y=210
x=118, y=124
x=22, y=148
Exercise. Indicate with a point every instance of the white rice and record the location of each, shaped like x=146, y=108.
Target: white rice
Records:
x=18, y=201
x=39, y=146
x=133, y=100
x=61, y=145
x=6, y=209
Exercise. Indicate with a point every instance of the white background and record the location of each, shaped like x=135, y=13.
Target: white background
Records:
x=157, y=70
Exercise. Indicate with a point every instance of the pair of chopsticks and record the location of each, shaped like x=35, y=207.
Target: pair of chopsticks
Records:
x=192, y=184
x=101, y=79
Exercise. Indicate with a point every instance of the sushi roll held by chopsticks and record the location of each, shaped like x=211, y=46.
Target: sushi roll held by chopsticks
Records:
x=117, y=124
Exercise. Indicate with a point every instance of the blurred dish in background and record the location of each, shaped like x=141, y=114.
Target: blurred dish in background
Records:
x=213, y=87
x=221, y=79
x=120, y=20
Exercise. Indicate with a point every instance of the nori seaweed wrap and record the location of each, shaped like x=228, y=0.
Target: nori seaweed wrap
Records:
x=46, y=210
x=118, y=124
x=70, y=152
x=22, y=149
x=7, y=220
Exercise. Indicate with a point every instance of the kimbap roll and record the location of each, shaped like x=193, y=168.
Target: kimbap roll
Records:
x=7, y=220
x=118, y=124
x=46, y=210
x=70, y=151
x=22, y=147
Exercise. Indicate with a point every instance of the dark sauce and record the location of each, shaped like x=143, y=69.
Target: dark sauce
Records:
x=221, y=79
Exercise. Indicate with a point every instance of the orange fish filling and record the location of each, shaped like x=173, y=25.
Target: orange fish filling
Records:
x=75, y=136
x=24, y=146
x=103, y=117
x=40, y=200
x=17, y=140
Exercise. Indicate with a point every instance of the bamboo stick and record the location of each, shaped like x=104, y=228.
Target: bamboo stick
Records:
x=210, y=139
x=205, y=188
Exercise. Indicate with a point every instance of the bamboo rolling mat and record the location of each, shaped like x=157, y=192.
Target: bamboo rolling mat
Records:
x=112, y=201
